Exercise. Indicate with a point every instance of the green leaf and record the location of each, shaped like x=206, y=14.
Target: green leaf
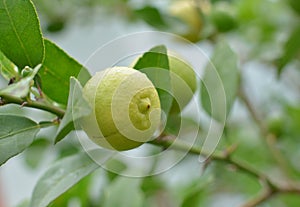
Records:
x=194, y=196
x=24, y=203
x=21, y=88
x=35, y=153
x=221, y=75
x=123, y=192
x=16, y=134
x=287, y=199
x=60, y=177
x=116, y=166
x=56, y=71
x=150, y=63
x=151, y=16
x=77, y=107
x=20, y=34
x=291, y=49
x=7, y=69
x=151, y=185
x=195, y=192
x=223, y=21
x=81, y=191
x=295, y=5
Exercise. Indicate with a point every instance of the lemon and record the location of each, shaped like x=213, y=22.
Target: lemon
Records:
x=189, y=14
x=125, y=108
x=182, y=77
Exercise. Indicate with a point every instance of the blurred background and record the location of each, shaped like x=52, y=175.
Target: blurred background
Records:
x=265, y=36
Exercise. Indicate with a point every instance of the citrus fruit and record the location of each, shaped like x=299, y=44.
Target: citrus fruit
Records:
x=189, y=14
x=182, y=77
x=125, y=108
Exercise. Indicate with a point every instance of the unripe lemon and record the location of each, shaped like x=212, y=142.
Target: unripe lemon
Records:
x=188, y=13
x=181, y=73
x=182, y=77
x=125, y=108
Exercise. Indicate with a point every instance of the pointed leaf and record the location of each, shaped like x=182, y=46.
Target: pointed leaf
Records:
x=152, y=16
x=20, y=34
x=60, y=177
x=291, y=49
x=77, y=108
x=7, y=69
x=157, y=58
x=20, y=89
x=16, y=134
x=221, y=75
x=56, y=71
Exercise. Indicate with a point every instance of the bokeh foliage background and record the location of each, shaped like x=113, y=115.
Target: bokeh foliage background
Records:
x=263, y=125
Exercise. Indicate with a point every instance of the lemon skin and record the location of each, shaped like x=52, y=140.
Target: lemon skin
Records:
x=125, y=108
x=189, y=14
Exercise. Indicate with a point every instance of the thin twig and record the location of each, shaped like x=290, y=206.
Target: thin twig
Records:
x=217, y=156
x=270, y=188
x=269, y=139
x=264, y=195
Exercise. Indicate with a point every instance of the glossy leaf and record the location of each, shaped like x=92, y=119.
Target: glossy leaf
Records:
x=77, y=108
x=7, y=69
x=20, y=34
x=123, y=192
x=56, y=71
x=221, y=75
x=156, y=58
x=16, y=134
x=60, y=177
x=21, y=88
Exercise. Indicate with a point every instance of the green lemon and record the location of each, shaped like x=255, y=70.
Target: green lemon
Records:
x=188, y=13
x=125, y=108
x=182, y=76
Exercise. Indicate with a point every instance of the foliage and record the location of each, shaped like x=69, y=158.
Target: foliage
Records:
x=256, y=159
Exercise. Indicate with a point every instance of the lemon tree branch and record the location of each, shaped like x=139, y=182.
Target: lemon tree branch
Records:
x=270, y=188
x=8, y=99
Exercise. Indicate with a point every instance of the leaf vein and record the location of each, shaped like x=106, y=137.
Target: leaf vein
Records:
x=16, y=33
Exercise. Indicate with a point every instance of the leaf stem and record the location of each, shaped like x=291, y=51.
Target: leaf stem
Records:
x=8, y=99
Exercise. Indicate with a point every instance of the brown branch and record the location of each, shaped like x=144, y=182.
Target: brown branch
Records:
x=264, y=195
